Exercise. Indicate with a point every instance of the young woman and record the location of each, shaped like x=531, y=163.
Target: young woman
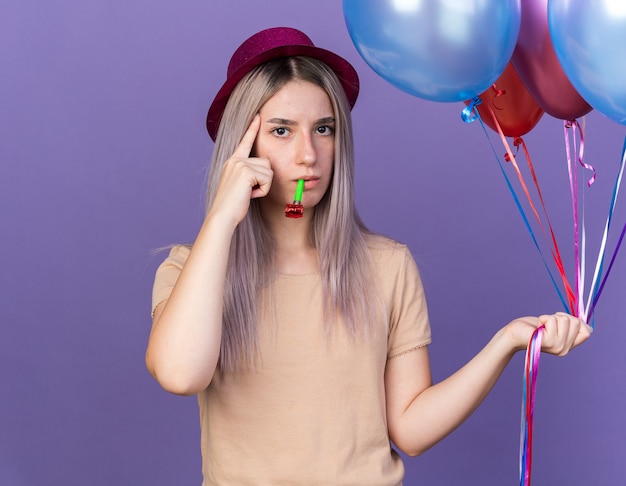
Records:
x=306, y=339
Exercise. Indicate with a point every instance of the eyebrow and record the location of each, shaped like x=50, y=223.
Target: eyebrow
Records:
x=285, y=121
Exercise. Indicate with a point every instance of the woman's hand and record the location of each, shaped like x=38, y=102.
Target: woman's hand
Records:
x=243, y=178
x=562, y=332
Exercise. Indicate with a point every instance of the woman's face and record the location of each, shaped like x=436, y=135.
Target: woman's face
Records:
x=297, y=135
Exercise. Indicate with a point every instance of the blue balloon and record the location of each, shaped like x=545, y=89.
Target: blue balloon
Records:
x=440, y=50
x=589, y=38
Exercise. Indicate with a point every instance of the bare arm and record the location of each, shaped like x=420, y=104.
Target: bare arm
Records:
x=184, y=345
x=420, y=414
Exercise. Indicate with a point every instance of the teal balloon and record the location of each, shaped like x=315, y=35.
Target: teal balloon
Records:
x=589, y=38
x=439, y=50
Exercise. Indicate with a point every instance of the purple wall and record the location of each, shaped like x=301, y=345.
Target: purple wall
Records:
x=103, y=154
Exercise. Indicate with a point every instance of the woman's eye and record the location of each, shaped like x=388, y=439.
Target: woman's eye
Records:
x=280, y=131
x=325, y=130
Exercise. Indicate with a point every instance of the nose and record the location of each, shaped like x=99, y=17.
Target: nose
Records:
x=307, y=152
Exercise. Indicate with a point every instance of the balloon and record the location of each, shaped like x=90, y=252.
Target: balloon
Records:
x=440, y=50
x=590, y=41
x=537, y=64
x=514, y=107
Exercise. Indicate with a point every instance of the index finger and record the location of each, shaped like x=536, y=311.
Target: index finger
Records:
x=247, y=141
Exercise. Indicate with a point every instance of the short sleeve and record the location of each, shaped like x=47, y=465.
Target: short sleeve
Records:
x=167, y=275
x=409, y=326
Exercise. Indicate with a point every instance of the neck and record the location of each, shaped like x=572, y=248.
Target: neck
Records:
x=295, y=252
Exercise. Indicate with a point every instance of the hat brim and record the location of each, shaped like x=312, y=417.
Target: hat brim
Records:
x=343, y=69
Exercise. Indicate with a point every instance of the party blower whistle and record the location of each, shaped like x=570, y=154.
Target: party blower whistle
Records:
x=296, y=210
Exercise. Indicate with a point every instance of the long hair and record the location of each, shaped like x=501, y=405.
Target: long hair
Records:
x=337, y=233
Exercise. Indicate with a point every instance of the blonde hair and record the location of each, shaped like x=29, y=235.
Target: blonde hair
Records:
x=337, y=233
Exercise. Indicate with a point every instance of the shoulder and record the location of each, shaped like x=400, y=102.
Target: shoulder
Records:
x=388, y=254
x=169, y=269
x=403, y=296
x=394, y=267
x=177, y=256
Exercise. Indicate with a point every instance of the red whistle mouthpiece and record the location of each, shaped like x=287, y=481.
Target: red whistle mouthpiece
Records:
x=294, y=210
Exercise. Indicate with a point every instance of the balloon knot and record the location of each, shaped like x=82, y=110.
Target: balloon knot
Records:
x=470, y=113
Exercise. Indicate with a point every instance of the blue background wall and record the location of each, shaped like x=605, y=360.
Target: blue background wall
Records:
x=103, y=155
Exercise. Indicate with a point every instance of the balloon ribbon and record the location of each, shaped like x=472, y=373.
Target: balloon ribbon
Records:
x=533, y=351
x=596, y=286
x=575, y=301
x=531, y=368
x=470, y=114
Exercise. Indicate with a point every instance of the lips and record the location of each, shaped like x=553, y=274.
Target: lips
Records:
x=310, y=182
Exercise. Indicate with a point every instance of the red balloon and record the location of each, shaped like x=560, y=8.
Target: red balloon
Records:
x=514, y=107
x=536, y=62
